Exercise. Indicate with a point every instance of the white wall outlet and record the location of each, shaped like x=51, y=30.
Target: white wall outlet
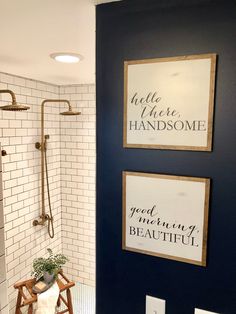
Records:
x=155, y=305
x=198, y=311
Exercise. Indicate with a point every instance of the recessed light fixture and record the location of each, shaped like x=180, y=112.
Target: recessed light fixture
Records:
x=66, y=57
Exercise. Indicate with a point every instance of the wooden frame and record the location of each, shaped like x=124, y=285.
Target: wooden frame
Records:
x=143, y=186
x=142, y=82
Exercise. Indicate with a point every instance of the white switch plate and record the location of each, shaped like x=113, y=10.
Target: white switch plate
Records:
x=155, y=305
x=198, y=311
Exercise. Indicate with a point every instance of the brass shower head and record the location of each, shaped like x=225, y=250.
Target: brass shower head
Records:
x=13, y=106
x=70, y=113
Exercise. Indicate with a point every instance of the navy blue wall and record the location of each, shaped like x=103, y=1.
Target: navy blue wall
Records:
x=147, y=29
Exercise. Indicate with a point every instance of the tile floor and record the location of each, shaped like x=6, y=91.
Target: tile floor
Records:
x=83, y=299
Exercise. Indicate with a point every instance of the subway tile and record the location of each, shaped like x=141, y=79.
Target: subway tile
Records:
x=25, y=91
x=17, y=190
x=10, y=200
x=12, y=216
x=15, y=140
x=17, y=206
x=89, y=111
x=21, y=148
x=16, y=174
x=92, y=104
x=8, y=132
x=12, y=248
x=92, y=89
x=4, y=123
x=21, y=132
x=19, y=81
x=19, y=252
x=82, y=89
x=8, y=225
x=7, y=78
x=18, y=222
x=23, y=227
x=64, y=136
x=15, y=157
x=30, y=83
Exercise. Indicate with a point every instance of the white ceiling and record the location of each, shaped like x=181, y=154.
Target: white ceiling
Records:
x=32, y=29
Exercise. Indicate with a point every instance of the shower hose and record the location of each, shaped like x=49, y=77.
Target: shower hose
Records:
x=50, y=218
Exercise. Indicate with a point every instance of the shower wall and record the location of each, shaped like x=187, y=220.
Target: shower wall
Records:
x=78, y=184
x=21, y=179
x=3, y=284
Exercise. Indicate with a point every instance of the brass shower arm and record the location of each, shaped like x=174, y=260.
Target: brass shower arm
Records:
x=8, y=91
x=69, y=112
x=57, y=100
x=13, y=106
x=42, y=115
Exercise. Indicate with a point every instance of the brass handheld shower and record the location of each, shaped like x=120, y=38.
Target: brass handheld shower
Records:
x=43, y=148
x=13, y=106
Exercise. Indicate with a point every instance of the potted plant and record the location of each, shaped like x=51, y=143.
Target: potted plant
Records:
x=48, y=267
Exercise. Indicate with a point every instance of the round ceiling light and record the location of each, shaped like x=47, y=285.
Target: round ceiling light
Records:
x=66, y=57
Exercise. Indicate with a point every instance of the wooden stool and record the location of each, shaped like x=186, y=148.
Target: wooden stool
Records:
x=27, y=297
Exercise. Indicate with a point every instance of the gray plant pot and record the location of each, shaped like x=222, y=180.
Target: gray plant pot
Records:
x=48, y=278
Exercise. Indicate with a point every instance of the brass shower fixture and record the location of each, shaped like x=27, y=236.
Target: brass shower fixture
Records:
x=13, y=106
x=42, y=146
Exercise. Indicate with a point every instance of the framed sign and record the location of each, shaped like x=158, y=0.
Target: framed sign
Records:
x=166, y=216
x=168, y=102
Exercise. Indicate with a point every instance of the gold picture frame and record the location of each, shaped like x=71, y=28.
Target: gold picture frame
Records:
x=184, y=85
x=185, y=208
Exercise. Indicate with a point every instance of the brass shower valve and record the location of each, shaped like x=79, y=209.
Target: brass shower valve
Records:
x=38, y=145
x=42, y=221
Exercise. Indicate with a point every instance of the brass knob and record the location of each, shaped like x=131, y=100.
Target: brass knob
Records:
x=4, y=153
x=37, y=145
x=35, y=223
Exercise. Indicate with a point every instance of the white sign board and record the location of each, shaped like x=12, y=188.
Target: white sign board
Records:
x=168, y=102
x=198, y=311
x=166, y=216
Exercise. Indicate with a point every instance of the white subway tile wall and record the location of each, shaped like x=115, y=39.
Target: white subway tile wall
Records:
x=21, y=179
x=3, y=284
x=78, y=154
x=21, y=176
